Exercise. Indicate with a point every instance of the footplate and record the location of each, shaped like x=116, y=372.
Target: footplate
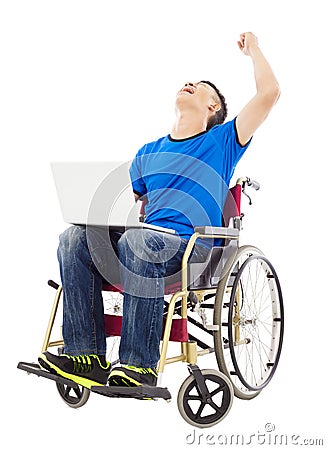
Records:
x=139, y=392
x=37, y=370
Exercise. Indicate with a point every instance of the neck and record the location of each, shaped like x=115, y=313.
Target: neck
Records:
x=187, y=125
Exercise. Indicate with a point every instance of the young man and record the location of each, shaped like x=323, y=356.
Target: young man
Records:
x=185, y=177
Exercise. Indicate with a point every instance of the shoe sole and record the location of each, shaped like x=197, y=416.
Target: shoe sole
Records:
x=120, y=381
x=52, y=368
x=120, y=378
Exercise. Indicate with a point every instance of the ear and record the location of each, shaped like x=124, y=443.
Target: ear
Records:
x=214, y=107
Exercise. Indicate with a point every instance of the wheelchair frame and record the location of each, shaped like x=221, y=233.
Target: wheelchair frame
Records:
x=189, y=353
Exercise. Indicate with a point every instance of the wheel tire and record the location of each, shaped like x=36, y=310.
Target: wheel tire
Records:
x=79, y=398
x=221, y=411
x=218, y=338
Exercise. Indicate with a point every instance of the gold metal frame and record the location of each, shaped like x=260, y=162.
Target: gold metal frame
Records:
x=189, y=352
x=46, y=342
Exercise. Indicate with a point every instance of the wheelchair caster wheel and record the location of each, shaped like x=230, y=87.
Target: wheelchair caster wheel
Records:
x=205, y=410
x=73, y=397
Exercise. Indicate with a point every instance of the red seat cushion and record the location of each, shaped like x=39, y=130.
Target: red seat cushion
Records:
x=112, y=325
x=109, y=287
x=169, y=290
x=178, y=331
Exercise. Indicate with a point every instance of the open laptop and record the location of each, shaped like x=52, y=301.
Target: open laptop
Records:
x=98, y=193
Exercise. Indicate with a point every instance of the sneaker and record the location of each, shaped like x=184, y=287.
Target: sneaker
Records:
x=87, y=370
x=132, y=376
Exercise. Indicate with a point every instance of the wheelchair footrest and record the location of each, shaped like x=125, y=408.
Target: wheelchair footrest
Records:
x=139, y=392
x=37, y=370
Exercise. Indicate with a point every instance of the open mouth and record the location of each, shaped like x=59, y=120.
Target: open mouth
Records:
x=188, y=89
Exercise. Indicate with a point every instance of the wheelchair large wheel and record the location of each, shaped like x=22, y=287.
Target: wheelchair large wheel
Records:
x=205, y=413
x=73, y=397
x=250, y=318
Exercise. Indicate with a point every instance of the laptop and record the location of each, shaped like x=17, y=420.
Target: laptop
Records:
x=98, y=194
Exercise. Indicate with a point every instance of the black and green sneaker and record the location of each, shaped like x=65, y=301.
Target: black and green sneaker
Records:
x=132, y=376
x=86, y=370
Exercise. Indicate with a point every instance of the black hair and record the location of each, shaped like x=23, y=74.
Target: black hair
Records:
x=220, y=116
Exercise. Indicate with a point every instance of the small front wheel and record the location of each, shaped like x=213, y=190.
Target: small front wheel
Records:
x=73, y=397
x=202, y=412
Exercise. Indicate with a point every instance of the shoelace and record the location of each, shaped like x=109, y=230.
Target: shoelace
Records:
x=82, y=364
x=145, y=371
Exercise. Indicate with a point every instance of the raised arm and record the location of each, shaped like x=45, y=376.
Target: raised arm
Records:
x=255, y=112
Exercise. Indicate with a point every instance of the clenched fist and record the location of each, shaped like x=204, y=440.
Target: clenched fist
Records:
x=247, y=42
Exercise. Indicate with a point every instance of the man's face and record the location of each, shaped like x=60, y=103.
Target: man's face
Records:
x=197, y=94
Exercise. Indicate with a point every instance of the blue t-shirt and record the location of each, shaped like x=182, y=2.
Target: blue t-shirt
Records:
x=186, y=181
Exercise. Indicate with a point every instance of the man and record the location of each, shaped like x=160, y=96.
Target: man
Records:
x=180, y=175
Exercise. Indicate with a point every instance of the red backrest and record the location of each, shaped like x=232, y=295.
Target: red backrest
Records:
x=232, y=206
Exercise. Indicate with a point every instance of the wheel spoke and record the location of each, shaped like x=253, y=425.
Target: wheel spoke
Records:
x=199, y=411
x=78, y=392
x=66, y=390
x=216, y=391
x=193, y=397
x=259, y=354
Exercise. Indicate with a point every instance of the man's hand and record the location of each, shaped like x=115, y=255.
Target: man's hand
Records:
x=247, y=41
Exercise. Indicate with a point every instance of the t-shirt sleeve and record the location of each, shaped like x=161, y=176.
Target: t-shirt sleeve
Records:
x=233, y=150
x=135, y=172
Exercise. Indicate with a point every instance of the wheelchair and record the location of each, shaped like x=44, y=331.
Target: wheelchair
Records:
x=228, y=308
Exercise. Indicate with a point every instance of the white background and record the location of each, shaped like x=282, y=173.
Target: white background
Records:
x=84, y=80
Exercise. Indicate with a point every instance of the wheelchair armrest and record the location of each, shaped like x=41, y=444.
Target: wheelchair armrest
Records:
x=219, y=231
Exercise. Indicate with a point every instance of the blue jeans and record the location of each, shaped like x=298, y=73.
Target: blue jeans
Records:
x=142, y=260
